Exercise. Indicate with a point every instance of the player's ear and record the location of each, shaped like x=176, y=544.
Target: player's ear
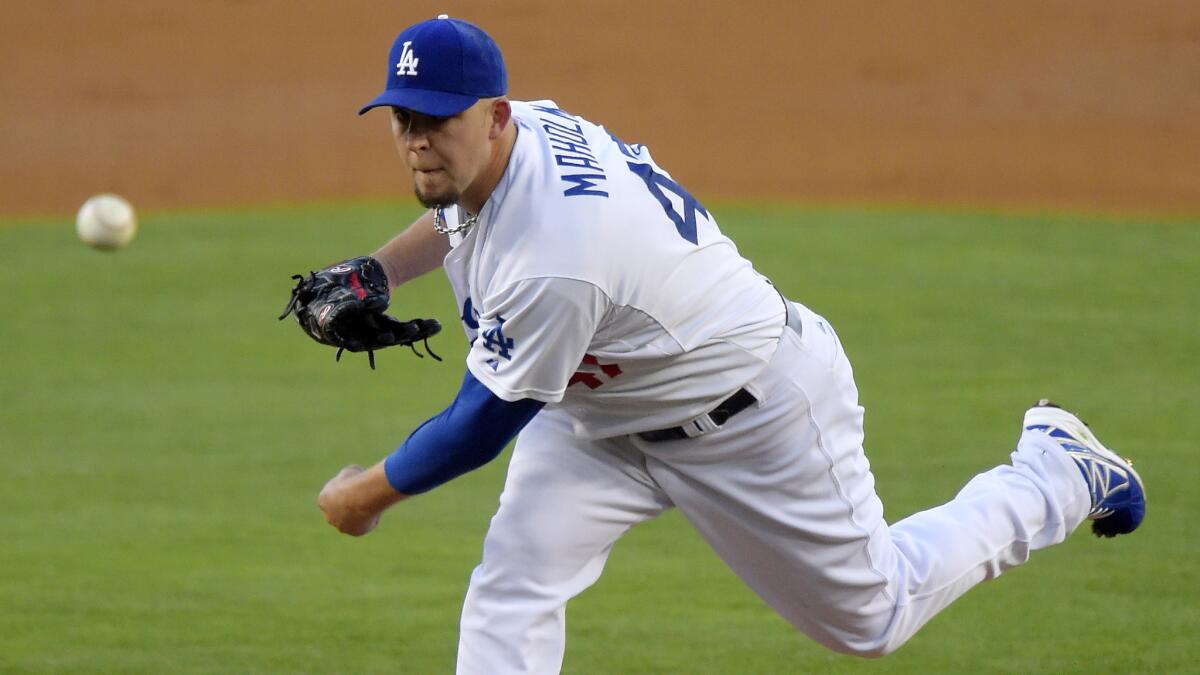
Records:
x=501, y=117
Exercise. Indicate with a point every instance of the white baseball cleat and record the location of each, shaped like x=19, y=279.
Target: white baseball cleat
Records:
x=1118, y=494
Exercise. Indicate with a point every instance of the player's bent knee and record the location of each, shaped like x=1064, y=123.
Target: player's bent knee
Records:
x=867, y=649
x=863, y=634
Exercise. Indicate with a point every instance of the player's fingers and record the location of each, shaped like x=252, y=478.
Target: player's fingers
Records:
x=359, y=528
x=332, y=488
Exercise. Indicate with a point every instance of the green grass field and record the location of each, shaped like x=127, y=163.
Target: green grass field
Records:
x=163, y=438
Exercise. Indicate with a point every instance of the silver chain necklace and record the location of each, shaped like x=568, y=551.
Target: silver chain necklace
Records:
x=439, y=223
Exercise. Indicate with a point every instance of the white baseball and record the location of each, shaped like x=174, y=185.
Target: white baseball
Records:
x=106, y=222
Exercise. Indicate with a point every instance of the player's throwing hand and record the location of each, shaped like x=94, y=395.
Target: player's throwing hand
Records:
x=343, y=509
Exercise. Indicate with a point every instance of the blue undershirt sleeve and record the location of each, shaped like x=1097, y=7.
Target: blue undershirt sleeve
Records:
x=470, y=433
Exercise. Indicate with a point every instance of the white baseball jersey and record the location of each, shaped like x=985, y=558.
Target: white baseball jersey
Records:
x=595, y=283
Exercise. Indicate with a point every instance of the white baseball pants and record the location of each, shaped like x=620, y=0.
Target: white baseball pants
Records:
x=783, y=493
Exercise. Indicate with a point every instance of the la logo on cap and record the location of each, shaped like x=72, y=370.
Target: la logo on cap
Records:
x=408, y=61
x=466, y=66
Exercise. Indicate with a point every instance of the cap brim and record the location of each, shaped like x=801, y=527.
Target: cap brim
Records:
x=436, y=103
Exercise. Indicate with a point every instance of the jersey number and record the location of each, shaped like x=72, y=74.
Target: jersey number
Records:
x=685, y=222
x=656, y=182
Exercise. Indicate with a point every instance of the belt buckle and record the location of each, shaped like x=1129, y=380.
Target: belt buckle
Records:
x=699, y=426
x=709, y=421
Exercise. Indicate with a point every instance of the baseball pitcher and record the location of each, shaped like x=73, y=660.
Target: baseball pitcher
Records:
x=642, y=364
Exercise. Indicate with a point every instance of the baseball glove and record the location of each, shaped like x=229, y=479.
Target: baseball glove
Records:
x=343, y=306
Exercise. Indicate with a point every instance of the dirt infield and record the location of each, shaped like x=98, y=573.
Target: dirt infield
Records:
x=1029, y=102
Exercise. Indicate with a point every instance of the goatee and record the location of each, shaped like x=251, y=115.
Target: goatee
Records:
x=434, y=202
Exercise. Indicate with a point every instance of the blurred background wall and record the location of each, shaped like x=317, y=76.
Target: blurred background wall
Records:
x=1045, y=103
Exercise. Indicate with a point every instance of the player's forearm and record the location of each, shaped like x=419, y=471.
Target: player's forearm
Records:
x=471, y=432
x=467, y=435
x=372, y=491
x=416, y=251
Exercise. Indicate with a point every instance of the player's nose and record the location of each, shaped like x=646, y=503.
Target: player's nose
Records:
x=413, y=138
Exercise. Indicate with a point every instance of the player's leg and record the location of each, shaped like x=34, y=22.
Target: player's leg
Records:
x=565, y=503
x=785, y=496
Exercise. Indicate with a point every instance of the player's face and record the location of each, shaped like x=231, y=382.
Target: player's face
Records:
x=446, y=154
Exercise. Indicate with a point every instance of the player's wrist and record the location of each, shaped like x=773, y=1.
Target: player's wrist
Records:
x=374, y=491
x=393, y=273
x=390, y=268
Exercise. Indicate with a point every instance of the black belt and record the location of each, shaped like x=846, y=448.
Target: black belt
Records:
x=731, y=406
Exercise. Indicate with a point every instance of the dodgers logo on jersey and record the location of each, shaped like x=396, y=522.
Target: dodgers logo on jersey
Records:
x=495, y=341
x=408, y=61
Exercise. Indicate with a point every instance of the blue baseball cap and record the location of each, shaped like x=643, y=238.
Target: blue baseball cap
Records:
x=441, y=67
